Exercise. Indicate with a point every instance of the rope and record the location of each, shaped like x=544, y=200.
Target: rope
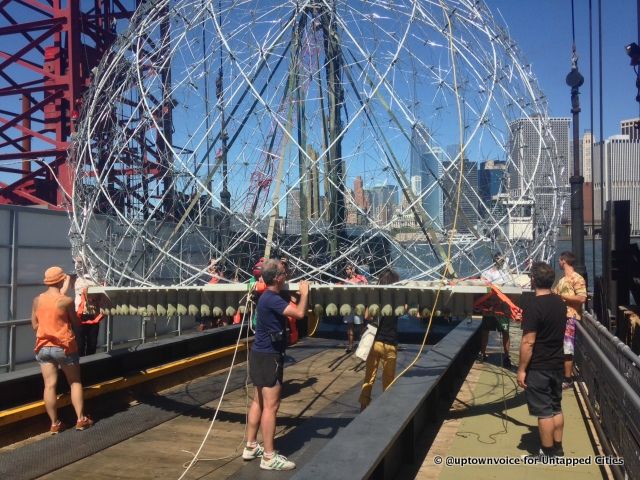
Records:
x=196, y=455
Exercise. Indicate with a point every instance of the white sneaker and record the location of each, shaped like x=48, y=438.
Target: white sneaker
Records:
x=251, y=453
x=277, y=462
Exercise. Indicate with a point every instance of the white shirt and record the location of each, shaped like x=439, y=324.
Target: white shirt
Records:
x=496, y=276
x=81, y=283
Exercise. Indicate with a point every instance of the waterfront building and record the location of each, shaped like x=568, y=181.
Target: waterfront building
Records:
x=621, y=176
x=425, y=172
x=585, y=155
x=490, y=184
x=359, y=194
x=468, y=196
x=293, y=204
x=540, y=160
x=631, y=128
x=384, y=199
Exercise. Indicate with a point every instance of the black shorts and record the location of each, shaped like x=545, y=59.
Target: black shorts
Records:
x=266, y=369
x=491, y=323
x=544, y=392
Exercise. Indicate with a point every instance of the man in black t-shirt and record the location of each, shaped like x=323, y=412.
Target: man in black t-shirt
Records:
x=542, y=358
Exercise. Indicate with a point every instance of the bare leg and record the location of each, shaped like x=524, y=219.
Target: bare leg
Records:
x=506, y=343
x=270, y=405
x=558, y=427
x=72, y=372
x=50, y=376
x=546, y=427
x=350, y=335
x=255, y=412
x=568, y=365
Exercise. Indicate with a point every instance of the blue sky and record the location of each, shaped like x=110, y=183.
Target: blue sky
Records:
x=542, y=29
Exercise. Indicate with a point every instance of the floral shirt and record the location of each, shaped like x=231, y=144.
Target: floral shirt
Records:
x=574, y=285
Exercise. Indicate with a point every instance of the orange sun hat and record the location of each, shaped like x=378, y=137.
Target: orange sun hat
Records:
x=53, y=275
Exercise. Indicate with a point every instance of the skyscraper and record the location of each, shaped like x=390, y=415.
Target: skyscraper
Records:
x=293, y=204
x=490, y=183
x=358, y=194
x=425, y=170
x=621, y=176
x=468, y=211
x=539, y=168
x=384, y=199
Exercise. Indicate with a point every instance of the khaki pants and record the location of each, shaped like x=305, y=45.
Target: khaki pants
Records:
x=380, y=352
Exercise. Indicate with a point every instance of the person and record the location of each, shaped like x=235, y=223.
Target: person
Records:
x=541, y=358
x=216, y=270
x=572, y=288
x=52, y=317
x=87, y=333
x=384, y=349
x=354, y=279
x=496, y=275
x=266, y=365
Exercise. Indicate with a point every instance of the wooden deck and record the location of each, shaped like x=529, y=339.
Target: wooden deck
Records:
x=162, y=452
x=489, y=418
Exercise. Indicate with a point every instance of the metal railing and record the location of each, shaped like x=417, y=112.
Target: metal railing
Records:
x=11, y=327
x=610, y=372
x=625, y=361
x=11, y=342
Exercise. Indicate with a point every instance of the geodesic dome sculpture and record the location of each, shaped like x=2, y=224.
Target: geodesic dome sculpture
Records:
x=329, y=132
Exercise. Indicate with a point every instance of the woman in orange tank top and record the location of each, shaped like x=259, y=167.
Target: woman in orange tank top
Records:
x=52, y=315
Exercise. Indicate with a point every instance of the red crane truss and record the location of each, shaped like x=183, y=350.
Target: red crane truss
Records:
x=47, y=52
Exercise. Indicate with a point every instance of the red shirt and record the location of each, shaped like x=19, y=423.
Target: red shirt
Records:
x=357, y=279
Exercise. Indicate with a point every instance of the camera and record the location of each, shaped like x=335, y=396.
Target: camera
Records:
x=633, y=50
x=277, y=337
x=280, y=336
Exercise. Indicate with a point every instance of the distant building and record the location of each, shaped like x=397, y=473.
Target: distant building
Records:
x=621, y=176
x=539, y=167
x=468, y=195
x=416, y=184
x=293, y=204
x=351, y=207
x=359, y=195
x=384, y=200
x=585, y=155
x=631, y=128
x=491, y=178
x=425, y=170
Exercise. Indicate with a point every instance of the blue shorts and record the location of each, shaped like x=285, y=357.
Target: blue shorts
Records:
x=56, y=356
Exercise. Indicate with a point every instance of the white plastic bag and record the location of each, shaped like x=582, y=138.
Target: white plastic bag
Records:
x=366, y=342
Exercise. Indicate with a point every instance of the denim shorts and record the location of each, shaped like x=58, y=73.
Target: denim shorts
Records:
x=57, y=356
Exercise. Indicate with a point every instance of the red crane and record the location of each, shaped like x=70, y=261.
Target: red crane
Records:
x=47, y=52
